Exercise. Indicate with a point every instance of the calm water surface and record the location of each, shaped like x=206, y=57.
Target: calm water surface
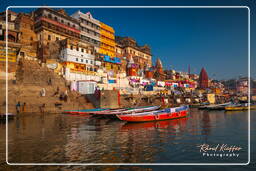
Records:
x=79, y=139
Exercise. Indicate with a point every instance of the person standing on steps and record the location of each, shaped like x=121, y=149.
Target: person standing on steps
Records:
x=49, y=81
x=18, y=107
x=24, y=107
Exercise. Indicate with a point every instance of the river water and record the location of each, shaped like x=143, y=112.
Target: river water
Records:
x=57, y=138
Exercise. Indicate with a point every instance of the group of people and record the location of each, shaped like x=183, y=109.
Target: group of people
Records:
x=20, y=108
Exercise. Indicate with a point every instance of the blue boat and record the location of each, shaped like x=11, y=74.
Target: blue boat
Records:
x=84, y=111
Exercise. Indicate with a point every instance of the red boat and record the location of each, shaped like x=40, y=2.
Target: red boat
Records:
x=169, y=113
x=152, y=125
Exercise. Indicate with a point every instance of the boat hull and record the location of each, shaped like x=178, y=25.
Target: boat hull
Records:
x=240, y=108
x=81, y=112
x=153, y=117
x=126, y=111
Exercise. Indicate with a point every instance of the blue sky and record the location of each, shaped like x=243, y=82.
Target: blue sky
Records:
x=216, y=39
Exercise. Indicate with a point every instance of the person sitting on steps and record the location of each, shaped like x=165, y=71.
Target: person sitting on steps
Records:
x=57, y=91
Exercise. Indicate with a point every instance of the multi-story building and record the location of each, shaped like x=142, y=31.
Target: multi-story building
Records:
x=120, y=54
x=130, y=49
x=90, y=28
x=28, y=38
x=13, y=41
x=52, y=25
x=107, y=40
x=78, y=60
x=242, y=86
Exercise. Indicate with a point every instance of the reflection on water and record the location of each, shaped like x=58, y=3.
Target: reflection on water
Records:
x=82, y=139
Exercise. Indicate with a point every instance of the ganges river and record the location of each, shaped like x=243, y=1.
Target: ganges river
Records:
x=203, y=137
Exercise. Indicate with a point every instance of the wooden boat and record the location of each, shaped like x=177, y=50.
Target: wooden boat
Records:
x=127, y=110
x=9, y=115
x=84, y=111
x=109, y=111
x=218, y=106
x=237, y=108
x=195, y=105
x=164, y=114
x=215, y=106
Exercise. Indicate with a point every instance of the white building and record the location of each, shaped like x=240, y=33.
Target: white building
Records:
x=78, y=61
x=90, y=28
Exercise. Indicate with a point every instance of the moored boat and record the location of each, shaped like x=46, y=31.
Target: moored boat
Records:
x=10, y=116
x=215, y=106
x=84, y=111
x=240, y=108
x=164, y=114
x=218, y=106
x=127, y=110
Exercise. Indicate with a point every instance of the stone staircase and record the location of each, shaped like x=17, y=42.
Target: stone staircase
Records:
x=31, y=78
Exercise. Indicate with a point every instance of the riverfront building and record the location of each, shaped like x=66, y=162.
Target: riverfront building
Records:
x=107, y=40
x=52, y=25
x=78, y=60
x=130, y=49
x=28, y=38
x=13, y=42
x=89, y=27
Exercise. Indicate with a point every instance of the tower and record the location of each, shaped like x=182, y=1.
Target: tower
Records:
x=159, y=66
x=131, y=68
x=203, y=79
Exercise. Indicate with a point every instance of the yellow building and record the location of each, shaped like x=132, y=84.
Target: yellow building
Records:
x=107, y=40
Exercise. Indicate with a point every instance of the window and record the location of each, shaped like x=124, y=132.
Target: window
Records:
x=82, y=50
x=77, y=48
x=68, y=24
x=62, y=21
x=76, y=59
x=71, y=47
x=82, y=60
x=57, y=38
x=91, y=62
x=74, y=26
x=50, y=16
x=31, y=38
x=86, y=61
x=55, y=18
x=49, y=37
